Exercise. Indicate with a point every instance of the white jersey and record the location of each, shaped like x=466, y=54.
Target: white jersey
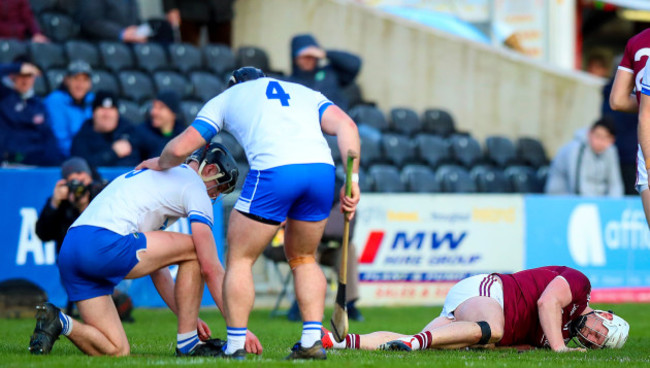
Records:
x=147, y=200
x=276, y=122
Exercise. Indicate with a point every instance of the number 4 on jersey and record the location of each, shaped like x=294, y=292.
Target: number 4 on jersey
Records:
x=274, y=91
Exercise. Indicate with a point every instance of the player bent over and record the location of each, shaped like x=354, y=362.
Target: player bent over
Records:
x=120, y=235
x=540, y=307
x=280, y=125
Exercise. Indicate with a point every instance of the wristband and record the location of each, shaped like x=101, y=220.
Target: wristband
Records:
x=355, y=177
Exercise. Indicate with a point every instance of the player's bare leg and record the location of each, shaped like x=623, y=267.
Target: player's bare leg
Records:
x=102, y=332
x=645, y=199
x=247, y=239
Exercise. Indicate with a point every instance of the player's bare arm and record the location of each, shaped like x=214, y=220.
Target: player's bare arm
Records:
x=622, y=97
x=556, y=296
x=644, y=126
x=176, y=151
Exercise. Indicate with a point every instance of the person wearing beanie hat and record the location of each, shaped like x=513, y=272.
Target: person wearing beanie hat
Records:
x=70, y=105
x=163, y=124
x=340, y=70
x=106, y=139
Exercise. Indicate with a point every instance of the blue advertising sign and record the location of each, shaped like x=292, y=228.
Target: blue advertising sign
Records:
x=23, y=193
x=607, y=239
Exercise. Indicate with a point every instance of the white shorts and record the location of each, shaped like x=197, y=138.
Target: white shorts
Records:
x=641, y=172
x=478, y=285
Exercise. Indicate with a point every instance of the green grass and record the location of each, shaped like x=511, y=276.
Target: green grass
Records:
x=152, y=339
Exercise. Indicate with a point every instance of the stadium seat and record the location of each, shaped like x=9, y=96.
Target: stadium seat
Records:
x=334, y=148
x=244, y=168
x=40, y=86
x=523, y=179
x=432, y=149
x=531, y=152
x=55, y=77
x=370, y=116
x=489, y=179
x=190, y=109
x=370, y=145
x=500, y=151
x=352, y=93
x=206, y=85
x=131, y=111
x=135, y=85
x=465, y=150
x=105, y=81
x=185, y=57
x=82, y=50
x=438, y=122
x=253, y=56
x=455, y=179
x=169, y=80
x=219, y=59
x=386, y=179
x=10, y=48
x=47, y=55
x=115, y=56
x=236, y=150
x=542, y=176
x=398, y=149
x=58, y=27
x=405, y=121
x=420, y=179
x=150, y=57
x=39, y=6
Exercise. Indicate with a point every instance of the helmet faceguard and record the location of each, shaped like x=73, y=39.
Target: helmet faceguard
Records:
x=244, y=74
x=600, y=329
x=227, y=173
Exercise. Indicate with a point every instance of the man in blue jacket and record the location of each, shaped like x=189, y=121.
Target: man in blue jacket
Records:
x=25, y=131
x=69, y=106
x=163, y=124
x=340, y=71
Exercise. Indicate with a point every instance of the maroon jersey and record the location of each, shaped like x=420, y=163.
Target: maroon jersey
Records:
x=521, y=290
x=635, y=57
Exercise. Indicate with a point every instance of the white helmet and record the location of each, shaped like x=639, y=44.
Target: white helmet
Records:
x=600, y=329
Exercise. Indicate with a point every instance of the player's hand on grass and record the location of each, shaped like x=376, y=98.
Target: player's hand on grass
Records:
x=253, y=345
x=151, y=163
x=204, y=330
x=349, y=204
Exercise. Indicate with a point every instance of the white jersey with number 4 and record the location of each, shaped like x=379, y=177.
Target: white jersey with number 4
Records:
x=147, y=200
x=276, y=122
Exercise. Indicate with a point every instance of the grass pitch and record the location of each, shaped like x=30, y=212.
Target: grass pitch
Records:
x=153, y=335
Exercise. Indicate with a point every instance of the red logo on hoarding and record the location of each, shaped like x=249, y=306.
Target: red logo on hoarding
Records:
x=372, y=246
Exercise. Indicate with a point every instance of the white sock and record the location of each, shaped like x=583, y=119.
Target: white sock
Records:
x=310, y=333
x=337, y=345
x=236, y=339
x=185, y=342
x=66, y=323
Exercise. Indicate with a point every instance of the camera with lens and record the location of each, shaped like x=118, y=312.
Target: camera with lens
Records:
x=77, y=188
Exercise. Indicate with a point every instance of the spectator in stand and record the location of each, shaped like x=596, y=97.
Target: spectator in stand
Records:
x=26, y=135
x=17, y=21
x=340, y=71
x=588, y=165
x=164, y=123
x=120, y=20
x=598, y=64
x=106, y=139
x=70, y=105
x=191, y=16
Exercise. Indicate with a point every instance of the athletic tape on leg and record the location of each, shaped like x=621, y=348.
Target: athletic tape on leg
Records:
x=297, y=261
x=486, y=332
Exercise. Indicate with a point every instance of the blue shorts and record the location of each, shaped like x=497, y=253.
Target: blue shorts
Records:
x=301, y=192
x=93, y=260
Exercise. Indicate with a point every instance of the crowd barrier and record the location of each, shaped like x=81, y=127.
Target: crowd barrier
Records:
x=411, y=247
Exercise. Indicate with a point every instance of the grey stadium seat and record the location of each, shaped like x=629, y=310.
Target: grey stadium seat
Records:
x=523, y=179
x=115, y=56
x=55, y=77
x=420, y=179
x=219, y=59
x=370, y=145
x=58, y=27
x=40, y=86
x=190, y=109
x=185, y=57
x=438, y=122
x=455, y=179
x=168, y=80
x=542, y=176
x=489, y=179
x=405, y=121
x=370, y=116
x=531, y=152
x=150, y=57
x=105, y=80
x=39, y=6
x=131, y=111
x=465, y=150
x=82, y=50
x=47, y=55
x=334, y=148
x=500, y=151
x=135, y=85
x=236, y=150
x=253, y=56
x=432, y=149
x=398, y=149
x=352, y=93
x=10, y=48
x=205, y=85
x=386, y=179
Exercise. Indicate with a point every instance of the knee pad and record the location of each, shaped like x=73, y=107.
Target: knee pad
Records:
x=297, y=261
x=486, y=332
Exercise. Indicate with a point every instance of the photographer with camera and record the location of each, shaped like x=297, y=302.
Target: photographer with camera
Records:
x=71, y=195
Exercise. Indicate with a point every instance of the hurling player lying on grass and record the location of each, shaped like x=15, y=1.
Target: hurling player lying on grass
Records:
x=540, y=307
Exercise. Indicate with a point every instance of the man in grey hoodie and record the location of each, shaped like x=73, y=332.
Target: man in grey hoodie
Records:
x=588, y=165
